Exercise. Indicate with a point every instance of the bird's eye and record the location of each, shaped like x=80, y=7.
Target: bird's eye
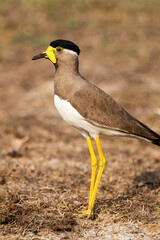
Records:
x=59, y=49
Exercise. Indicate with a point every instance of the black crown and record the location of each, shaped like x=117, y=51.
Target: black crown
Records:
x=65, y=44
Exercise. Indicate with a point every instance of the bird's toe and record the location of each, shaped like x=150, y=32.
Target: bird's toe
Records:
x=89, y=214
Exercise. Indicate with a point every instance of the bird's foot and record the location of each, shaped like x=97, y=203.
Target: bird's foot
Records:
x=89, y=214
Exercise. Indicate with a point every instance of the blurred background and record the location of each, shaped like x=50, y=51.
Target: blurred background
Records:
x=119, y=42
x=120, y=52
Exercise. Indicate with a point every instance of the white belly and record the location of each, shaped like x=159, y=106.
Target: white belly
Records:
x=72, y=116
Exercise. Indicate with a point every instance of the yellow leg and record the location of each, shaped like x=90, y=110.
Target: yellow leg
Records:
x=94, y=185
x=94, y=167
x=100, y=171
x=89, y=212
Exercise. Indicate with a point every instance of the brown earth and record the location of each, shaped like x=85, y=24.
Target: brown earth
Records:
x=44, y=163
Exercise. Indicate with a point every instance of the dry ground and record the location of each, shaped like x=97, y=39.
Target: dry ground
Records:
x=44, y=163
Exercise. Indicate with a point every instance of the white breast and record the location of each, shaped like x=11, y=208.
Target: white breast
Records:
x=72, y=116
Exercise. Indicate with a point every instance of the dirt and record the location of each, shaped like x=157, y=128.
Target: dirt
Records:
x=45, y=164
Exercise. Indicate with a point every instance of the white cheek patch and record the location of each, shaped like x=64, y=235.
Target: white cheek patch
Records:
x=70, y=51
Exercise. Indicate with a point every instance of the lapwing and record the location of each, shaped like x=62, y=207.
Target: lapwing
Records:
x=89, y=109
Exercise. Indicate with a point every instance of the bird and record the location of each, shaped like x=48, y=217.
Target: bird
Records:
x=89, y=109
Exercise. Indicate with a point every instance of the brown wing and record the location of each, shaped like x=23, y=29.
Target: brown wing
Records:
x=98, y=107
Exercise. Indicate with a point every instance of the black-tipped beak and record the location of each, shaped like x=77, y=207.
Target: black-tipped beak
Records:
x=41, y=55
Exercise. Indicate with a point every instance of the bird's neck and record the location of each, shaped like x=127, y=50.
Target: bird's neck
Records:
x=67, y=67
x=65, y=78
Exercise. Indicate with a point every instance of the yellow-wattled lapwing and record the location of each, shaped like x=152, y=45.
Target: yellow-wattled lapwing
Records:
x=89, y=109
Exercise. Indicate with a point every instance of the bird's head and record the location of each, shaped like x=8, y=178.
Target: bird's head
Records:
x=59, y=50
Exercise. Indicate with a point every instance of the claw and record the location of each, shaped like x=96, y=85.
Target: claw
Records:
x=89, y=214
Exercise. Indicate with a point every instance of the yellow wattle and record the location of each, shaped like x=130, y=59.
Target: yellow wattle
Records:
x=50, y=54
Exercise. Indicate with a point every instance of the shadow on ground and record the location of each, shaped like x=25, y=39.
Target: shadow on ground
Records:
x=150, y=179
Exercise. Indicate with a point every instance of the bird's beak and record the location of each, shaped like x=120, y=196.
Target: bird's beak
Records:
x=41, y=55
x=48, y=54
